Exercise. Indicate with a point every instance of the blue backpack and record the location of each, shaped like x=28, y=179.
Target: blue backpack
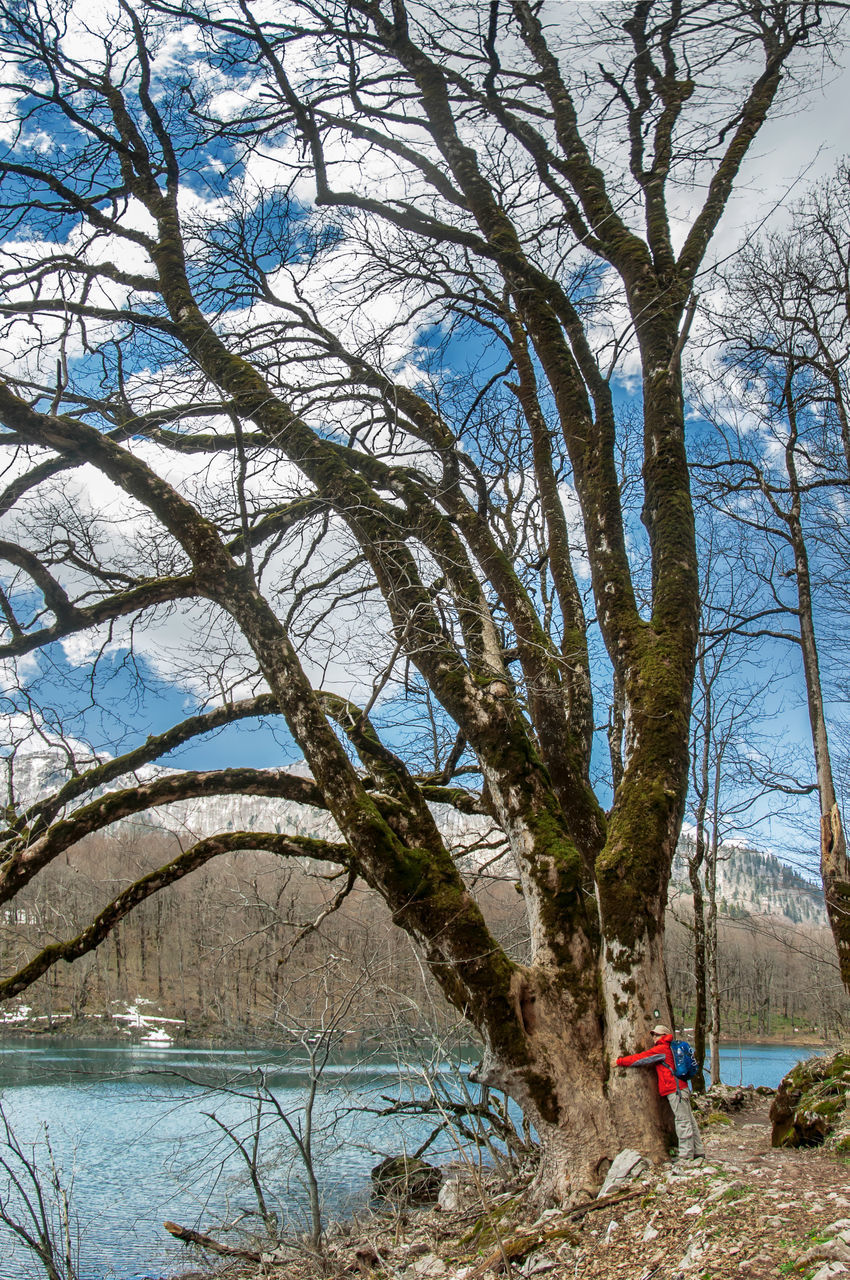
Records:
x=684, y=1063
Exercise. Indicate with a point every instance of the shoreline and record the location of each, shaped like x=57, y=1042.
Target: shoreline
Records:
x=93, y=1028
x=722, y=1215
x=597, y=1249
x=96, y=1027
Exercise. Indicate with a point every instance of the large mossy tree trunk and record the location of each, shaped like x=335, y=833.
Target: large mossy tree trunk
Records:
x=570, y=1024
x=561, y=1075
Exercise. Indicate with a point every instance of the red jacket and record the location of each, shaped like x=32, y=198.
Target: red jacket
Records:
x=661, y=1057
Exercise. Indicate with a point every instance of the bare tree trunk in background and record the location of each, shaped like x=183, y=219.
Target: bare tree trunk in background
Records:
x=834, y=862
x=787, y=326
x=711, y=935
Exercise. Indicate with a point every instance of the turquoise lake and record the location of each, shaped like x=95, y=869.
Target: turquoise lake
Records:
x=127, y=1125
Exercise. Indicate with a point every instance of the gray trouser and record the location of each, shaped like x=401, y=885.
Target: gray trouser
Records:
x=690, y=1142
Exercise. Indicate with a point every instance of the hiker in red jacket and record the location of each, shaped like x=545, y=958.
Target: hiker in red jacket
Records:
x=660, y=1056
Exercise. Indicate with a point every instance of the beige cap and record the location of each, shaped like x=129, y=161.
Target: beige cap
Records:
x=661, y=1030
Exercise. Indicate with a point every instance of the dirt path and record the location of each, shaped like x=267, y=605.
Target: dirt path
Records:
x=750, y=1211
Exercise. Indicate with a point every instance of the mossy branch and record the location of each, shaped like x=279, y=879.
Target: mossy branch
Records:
x=24, y=856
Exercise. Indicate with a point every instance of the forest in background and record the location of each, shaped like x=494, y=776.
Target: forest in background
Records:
x=242, y=948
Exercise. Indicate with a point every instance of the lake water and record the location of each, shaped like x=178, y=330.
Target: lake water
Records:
x=130, y=1129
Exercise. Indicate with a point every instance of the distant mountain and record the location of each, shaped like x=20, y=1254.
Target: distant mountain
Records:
x=35, y=775
x=749, y=882
x=32, y=775
x=754, y=883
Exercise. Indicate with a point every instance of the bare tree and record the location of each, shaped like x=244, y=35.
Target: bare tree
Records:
x=250, y=1139
x=788, y=343
x=245, y=261
x=36, y=1205
x=728, y=791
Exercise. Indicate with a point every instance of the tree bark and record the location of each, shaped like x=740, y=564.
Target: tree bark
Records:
x=583, y=1114
x=834, y=862
x=835, y=873
x=711, y=938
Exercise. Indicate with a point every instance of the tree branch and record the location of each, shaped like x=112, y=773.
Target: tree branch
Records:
x=146, y=886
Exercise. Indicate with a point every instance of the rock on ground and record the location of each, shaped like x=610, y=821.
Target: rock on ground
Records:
x=811, y=1105
x=627, y=1166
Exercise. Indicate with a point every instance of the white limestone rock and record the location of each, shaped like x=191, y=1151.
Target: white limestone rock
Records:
x=627, y=1166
